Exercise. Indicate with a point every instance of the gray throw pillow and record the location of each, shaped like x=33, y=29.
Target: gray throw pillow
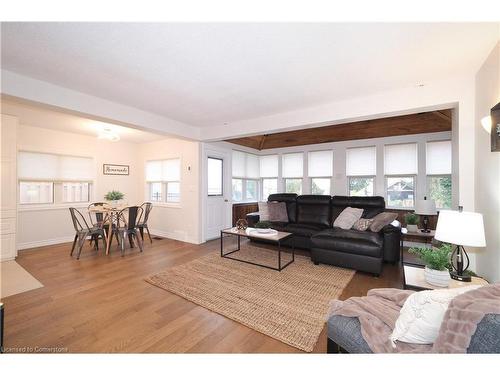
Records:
x=348, y=217
x=263, y=211
x=277, y=212
x=382, y=219
x=362, y=224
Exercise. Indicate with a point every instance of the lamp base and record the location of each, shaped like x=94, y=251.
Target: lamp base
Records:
x=455, y=276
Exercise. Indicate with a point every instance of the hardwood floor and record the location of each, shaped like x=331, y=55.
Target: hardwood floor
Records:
x=102, y=304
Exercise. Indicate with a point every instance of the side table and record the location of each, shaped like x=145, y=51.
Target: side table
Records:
x=420, y=236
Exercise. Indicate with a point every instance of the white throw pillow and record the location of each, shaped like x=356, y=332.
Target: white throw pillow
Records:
x=263, y=211
x=348, y=217
x=422, y=314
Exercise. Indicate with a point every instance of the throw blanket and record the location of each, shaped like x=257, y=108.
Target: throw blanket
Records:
x=462, y=317
x=379, y=310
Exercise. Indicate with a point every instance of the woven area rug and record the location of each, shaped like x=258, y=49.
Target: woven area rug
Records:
x=290, y=306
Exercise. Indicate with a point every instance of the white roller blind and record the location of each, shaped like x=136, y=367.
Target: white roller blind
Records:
x=293, y=165
x=438, y=157
x=269, y=166
x=361, y=161
x=400, y=159
x=163, y=170
x=320, y=163
x=245, y=165
x=42, y=166
x=172, y=170
x=252, y=166
x=238, y=164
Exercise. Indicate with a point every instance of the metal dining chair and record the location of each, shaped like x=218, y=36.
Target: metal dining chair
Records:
x=97, y=218
x=83, y=230
x=128, y=219
x=143, y=220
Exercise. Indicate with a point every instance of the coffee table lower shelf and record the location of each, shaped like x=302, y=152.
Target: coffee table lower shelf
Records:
x=275, y=239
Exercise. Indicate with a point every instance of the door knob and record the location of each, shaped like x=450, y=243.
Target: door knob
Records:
x=226, y=200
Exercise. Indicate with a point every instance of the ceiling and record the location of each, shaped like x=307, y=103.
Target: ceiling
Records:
x=212, y=74
x=48, y=118
x=427, y=122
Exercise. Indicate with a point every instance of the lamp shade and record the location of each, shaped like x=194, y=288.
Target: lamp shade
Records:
x=425, y=207
x=460, y=228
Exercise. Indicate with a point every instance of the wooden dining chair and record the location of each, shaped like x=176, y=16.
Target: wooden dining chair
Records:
x=83, y=230
x=143, y=220
x=128, y=219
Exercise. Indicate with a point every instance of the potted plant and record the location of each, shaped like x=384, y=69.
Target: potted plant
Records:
x=437, y=263
x=412, y=220
x=114, y=197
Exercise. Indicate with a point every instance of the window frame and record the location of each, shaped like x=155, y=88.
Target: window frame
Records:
x=58, y=201
x=373, y=178
x=386, y=195
x=262, y=198
x=244, y=198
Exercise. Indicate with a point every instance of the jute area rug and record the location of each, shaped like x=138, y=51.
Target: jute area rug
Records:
x=290, y=306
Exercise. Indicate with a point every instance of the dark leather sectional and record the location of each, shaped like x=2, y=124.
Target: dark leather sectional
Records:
x=311, y=217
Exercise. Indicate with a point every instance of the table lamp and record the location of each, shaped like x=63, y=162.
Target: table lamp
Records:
x=425, y=208
x=461, y=229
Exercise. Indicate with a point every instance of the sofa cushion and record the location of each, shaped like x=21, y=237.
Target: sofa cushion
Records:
x=371, y=206
x=277, y=211
x=313, y=209
x=291, y=204
x=349, y=241
x=348, y=217
x=305, y=230
x=279, y=225
x=381, y=220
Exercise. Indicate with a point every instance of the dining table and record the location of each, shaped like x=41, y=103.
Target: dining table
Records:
x=111, y=218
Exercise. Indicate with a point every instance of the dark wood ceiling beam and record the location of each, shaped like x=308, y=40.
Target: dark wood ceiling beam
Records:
x=428, y=122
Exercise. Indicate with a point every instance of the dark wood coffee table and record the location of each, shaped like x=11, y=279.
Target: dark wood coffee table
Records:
x=277, y=239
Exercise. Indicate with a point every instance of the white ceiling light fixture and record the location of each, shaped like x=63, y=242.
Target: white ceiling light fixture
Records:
x=108, y=134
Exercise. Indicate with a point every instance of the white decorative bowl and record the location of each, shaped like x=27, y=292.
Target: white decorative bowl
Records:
x=264, y=230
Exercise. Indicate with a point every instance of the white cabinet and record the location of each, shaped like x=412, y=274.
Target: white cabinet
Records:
x=8, y=192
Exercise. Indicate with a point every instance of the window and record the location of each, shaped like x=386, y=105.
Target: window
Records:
x=31, y=192
x=269, y=175
x=293, y=185
x=76, y=192
x=321, y=186
x=51, y=179
x=438, y=169
x=293, y=171
x=361, y=186
x=400, y=192
x=400, y=168
x=237, y=189
x=320, y=170
x=245, y=168
x=269, y=186
x=215, y=177
x=361, y=169
x=163, y=179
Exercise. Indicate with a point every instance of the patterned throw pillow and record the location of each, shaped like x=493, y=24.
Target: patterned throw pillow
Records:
x=277, y=212
x=348, y=217
x=381, y=220
x=362, y=224
x=263, y=211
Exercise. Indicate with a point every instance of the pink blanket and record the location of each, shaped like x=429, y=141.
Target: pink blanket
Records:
x=379, y=310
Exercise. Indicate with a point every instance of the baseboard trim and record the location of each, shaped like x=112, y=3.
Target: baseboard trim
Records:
x=52, y=241
x=178, y=236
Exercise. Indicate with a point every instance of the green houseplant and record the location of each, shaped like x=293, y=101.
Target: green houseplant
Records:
x=411, y=220
x=114, y=197
x=263, y=225
x=437, y=263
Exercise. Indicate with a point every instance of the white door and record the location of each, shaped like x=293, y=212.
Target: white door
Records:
x=218, y=191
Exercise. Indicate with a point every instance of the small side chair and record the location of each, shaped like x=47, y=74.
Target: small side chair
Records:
x=83, y=230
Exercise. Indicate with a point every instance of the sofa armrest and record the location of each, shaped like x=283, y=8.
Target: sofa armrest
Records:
x=253, y=218
x=392, y=241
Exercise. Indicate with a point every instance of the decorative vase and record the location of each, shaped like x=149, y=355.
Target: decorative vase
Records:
x=115, y=203
x=413, y=228
x=437, y=278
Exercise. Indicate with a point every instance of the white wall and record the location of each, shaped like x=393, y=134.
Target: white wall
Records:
x=179, y=221
x=487, y=167
x=52, y=224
